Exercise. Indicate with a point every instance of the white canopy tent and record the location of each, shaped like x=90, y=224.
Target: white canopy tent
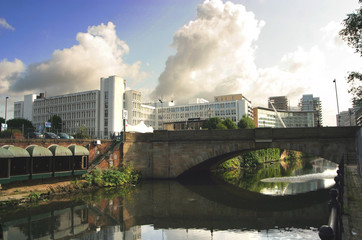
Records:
x=141, y=128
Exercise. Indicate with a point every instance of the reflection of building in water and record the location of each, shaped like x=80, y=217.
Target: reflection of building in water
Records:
x=57, y=224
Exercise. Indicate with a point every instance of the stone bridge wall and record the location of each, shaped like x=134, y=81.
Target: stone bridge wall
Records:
x=169, y=154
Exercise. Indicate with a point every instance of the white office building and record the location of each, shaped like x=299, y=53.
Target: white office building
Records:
x=268, y=118
x=169, y=112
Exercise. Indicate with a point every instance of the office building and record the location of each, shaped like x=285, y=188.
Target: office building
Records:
x=168, y=112
x=268, y=118
x=310, y=103
x=280, y=103
x=346, y=118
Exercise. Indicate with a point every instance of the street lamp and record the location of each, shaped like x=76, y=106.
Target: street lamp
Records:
x=161, y=110
x=6, y=107
x=338, y=118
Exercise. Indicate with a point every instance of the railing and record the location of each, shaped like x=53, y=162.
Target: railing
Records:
x=334, y=229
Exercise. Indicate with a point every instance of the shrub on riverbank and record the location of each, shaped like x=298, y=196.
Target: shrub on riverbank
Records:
x=112, y=177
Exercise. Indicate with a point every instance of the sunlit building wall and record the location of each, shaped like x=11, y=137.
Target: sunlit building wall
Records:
x=267, y=118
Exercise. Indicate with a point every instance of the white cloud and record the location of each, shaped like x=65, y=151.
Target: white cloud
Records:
x=330, y=35
x=9, y=72
x=214, y=53
x=4, y=24
x=79, y=68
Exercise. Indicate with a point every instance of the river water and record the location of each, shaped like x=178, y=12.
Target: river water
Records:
x=274, y=207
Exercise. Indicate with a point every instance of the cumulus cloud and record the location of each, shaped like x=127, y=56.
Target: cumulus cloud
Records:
x=215, y=56
x=9, y=73
x=4, y=24
x=99, y=54
x=214, y=53
x=330, y=35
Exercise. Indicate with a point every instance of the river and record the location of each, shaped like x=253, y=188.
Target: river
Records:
x=290, y=207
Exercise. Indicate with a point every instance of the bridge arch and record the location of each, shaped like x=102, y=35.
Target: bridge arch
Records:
x=168, y=154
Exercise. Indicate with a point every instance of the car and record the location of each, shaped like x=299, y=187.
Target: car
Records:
x=64, y=136
x=50, y=135
x=35, y=135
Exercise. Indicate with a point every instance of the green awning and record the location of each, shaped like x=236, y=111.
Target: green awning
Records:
x=78, y=150
x=38, y=151
x=4, y=153
x=58, y=150
x=17, y=151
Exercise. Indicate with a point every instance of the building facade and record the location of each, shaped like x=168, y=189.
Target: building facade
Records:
x=346, y=118
x=267, y=118
x=310, y=103
x=168, y=112
x=279, y=102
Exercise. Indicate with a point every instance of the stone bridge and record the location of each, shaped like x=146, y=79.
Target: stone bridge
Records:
x=170, y=154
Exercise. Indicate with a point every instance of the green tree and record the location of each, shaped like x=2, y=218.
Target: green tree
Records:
x=220, y=125
x=2, y=120
x=229, y=124
x=212, y=123
x=352, y=34
x=56, y=123
x=246, y=122
x=82, y=133
x=20, y=123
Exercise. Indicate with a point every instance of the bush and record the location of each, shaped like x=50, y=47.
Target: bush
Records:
x=112, y=177
x=8, y=133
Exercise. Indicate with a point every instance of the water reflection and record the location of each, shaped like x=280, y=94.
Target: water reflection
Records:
x=171, y=210
x=277, y=181
x=320, y=176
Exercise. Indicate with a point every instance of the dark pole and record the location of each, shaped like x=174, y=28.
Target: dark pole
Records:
x=335, y=84
x=6, y=107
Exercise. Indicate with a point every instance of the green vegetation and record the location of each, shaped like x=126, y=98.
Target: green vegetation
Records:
x=217, y=123
x=34, y=196
x=352, y=33
x=20, y=124
x=246, y=122
x=252, y=159
x=112, y=177
x=81, y=133
x=8, y=133
x=56, y=123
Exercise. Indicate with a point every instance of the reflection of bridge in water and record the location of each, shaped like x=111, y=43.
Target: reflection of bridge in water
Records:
x=168, y=204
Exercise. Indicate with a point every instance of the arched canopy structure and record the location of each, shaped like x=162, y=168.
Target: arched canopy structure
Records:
x=62, y=160
x=5, y=157
x=41, y=162
x=20, y=164
x=80, y=156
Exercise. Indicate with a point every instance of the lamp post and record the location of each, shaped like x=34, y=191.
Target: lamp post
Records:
x=161, y=110
x=338, y=118
x=6, y=107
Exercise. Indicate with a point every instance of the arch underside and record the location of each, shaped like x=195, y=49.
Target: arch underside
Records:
x=332, y=151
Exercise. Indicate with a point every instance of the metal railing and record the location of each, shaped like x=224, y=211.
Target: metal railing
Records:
x=334, y=229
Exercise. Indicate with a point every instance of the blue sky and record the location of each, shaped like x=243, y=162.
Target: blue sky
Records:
x=178, y=49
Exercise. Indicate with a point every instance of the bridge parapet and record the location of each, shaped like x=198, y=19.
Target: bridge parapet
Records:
x=168, y=154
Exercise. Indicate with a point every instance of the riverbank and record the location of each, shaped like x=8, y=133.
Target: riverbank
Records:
x=353, y=204
x=22, y=192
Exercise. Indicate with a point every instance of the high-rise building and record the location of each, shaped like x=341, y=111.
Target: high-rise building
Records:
x=279, y=102
x=346, y=118
x=310, y=103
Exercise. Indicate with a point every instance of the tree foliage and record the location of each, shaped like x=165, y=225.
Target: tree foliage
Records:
x=2, y=120
x=56, y=123
x=217, y=123
x=246, y=122
x=229, y=124
x=20, y=123
x=82, y=133
x=352, y=34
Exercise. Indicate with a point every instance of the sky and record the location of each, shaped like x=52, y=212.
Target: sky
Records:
x=178, y=50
